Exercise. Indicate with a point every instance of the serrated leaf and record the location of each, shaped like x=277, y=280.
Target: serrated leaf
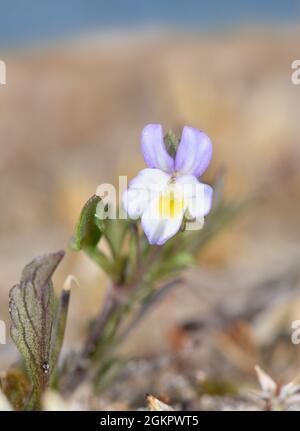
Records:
x=88, y=228
x=32, y=310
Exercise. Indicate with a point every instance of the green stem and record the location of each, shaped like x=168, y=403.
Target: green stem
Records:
x=59, y=328
x=101, y=260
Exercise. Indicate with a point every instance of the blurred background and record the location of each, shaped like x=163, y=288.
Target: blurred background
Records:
x=83, y=78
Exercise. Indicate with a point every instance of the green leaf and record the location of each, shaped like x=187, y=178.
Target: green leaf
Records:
x=115, y=231
x=134, y=254
x=88, y=232
x=172, y=265
x=32, y=309
x=88, y=229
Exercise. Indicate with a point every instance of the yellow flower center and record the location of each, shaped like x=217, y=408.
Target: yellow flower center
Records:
x=170, y=206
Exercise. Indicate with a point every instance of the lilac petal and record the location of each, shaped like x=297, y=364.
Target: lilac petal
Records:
x=194, y=152
x=153, y=148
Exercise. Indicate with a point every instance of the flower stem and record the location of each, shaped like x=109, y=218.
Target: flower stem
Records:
x=101, y=260
x=79, y=370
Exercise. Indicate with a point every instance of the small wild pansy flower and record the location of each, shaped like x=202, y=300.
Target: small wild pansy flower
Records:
x=169, y=190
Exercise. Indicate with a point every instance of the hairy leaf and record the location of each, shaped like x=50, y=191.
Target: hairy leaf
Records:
x=32, y=309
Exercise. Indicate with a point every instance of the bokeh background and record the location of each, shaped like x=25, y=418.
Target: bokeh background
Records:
x=83, y=78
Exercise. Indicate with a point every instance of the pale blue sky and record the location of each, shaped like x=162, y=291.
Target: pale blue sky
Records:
x=25, y=21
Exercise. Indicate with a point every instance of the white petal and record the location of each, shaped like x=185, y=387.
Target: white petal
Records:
x=135, y=202
x=197, y=196
x=146, y=185
x=200, y=205
x=157, y=229
x=150, y=179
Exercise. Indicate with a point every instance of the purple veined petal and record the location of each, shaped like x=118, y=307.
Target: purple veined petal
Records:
x=159, y=230
x=200, y=203
x=194, y=152
x=153, y=148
